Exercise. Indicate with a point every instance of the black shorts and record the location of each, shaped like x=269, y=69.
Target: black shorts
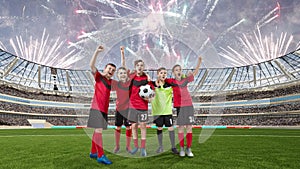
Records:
x=185, y=115
x=136, y=116
x=97, y=119
x=121, y=118
x=162, y=120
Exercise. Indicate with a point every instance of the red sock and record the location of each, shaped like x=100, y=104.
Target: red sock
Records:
x=181, y=139
x=117, y=137
x=189, y=138
x=93, y=149
x=143, y=143
x=136, y=142
x=128, y=138
x=99, y=144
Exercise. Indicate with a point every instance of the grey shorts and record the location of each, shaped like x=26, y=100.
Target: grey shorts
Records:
x=136, y=116
x=97, y=119
x=185, y=115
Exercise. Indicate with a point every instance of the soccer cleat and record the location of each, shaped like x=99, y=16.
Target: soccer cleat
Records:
x=160, y=149
x=189, y=153
x=117, y=150
x=182, y=153
x=134, y=150
x=174, y=150
x=143, y=152
x=93, y=155
x=104, y=160
x=128, y=149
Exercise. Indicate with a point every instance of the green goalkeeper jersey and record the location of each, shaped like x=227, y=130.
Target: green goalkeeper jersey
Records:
x=162, y=102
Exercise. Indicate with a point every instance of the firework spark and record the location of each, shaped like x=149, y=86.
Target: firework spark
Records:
x=44, y=51
x=256, y=48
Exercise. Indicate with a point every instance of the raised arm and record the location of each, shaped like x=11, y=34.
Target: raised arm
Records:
x=198, y=66
x=122, y=56
x=94, y=58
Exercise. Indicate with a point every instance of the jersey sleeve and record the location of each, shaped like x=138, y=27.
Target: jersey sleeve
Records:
x=97, y=75
x=132, y=75
x=190, y=78
x=152, y=84
x=169, y=81
x=114, y=85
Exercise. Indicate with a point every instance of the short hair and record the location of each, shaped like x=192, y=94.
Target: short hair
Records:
x=121, y=68
x=160, y=69
x=110, y=64
x=177, y=65
x=137, y=61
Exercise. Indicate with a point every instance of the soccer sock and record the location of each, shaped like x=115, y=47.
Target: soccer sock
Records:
x=181, y=139
x=93, y=149
x=143, y=143
x=128, y=138
x=159, y=137
x=189, y=138
x=99, y=144
x=117, y=137
x=172, y=138
x=136, y=143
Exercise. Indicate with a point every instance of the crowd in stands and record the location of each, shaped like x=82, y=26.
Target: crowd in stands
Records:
x=232, y=120
x=41, y=96
x=36, y=109
x=259, y=120
x=11, y=120
x=253, y=94
x=14, y=121
x=289, y=106
x=286, y=120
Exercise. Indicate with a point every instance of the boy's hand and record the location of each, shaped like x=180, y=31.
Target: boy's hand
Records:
x=200, y=59
x=100, y=49
x=148, y=78
x=122, y=48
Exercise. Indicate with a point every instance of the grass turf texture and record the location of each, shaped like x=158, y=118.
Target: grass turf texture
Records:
x=226, y=148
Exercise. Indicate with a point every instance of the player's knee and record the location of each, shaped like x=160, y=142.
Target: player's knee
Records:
x=143, y=125
x=159, y=128
x=171, y=128
x=98, y=130
x=189, y=128
x=181, y=129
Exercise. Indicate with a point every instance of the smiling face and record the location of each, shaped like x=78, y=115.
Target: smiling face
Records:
x=122, y=74
x=139, y=67
x=177, y=71
x=109, y=71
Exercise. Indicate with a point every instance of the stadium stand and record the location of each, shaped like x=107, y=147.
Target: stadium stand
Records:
x=265, y=94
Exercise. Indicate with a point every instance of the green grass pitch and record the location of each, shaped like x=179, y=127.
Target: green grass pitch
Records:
x=226, y=148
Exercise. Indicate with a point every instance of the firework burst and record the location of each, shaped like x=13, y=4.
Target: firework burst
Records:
x=257, y=48
x=44, y=51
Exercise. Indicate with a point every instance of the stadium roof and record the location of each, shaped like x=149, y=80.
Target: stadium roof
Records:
x=21, y=73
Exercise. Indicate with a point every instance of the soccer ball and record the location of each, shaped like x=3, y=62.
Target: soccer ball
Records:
x=145, y=91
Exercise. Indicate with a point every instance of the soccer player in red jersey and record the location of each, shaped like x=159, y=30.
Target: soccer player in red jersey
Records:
x=99, y=108
x=138, y=107
x=122, y=104
x=184, y=106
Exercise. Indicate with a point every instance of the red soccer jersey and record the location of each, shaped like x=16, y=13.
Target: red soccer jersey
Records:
x=122, y=91
x=181, y=94
x=102, y=93
x=135, y=101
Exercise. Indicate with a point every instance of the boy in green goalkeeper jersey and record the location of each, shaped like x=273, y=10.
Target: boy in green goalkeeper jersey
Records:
x=162, y=109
